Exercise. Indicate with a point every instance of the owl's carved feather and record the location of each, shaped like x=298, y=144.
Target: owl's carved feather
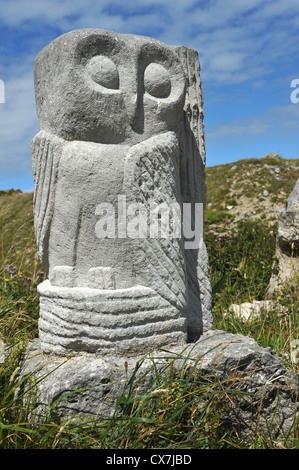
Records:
x=45, y=150
x=163, y=267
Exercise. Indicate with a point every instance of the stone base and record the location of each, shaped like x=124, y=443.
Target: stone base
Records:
x=116, y=321
x=84, y=385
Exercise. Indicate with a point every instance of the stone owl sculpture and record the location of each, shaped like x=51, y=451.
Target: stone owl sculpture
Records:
x=120, y=119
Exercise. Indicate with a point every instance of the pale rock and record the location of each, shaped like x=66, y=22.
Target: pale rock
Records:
x=2, y=351
x=251, y=310
x=285, y=268
x=288, y=226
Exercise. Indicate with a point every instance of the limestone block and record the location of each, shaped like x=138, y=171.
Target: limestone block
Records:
x=88, y=385
x=286, y=265
x=251, y=310
x=288, y=226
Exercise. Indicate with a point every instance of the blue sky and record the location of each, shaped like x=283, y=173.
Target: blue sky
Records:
x=249, y=54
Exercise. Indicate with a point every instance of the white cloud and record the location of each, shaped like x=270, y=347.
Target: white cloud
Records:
x=236, y=129
x=18, y=124
x=236, y=39
x=280, y=121
x=231, y=61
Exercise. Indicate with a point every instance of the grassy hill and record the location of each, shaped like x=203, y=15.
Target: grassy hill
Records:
x=17, y=241
x=250, y=188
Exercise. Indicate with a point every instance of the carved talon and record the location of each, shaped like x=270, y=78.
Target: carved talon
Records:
x=63, y=276
x=101, y=278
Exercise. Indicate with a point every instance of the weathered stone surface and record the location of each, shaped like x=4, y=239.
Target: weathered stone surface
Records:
x=271, y=391
x=286, y=265
x=121, y=124
x=288, y=227
x=106, y=321
x=2, y=351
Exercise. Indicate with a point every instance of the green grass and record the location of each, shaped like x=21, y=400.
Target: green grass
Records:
x=240, y=264
x=179, y=409
x=17, y=241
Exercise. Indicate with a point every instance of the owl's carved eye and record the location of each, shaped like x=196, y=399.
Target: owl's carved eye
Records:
x=157, y=80
x=103, y=71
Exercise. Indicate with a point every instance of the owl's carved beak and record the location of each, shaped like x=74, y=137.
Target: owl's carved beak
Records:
x=135, y=112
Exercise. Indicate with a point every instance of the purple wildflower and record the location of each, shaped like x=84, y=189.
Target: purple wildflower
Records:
x=11, y=268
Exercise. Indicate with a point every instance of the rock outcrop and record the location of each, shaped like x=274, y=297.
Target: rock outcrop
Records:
x=261, y=389
x=286, y=265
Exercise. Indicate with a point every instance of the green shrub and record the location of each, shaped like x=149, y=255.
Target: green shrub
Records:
x=216, y=217
x=240, y=264
x=19, y=304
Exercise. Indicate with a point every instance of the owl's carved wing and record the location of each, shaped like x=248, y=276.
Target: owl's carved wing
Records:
x=152, y=174
x=192, y=174
x=45, y=151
